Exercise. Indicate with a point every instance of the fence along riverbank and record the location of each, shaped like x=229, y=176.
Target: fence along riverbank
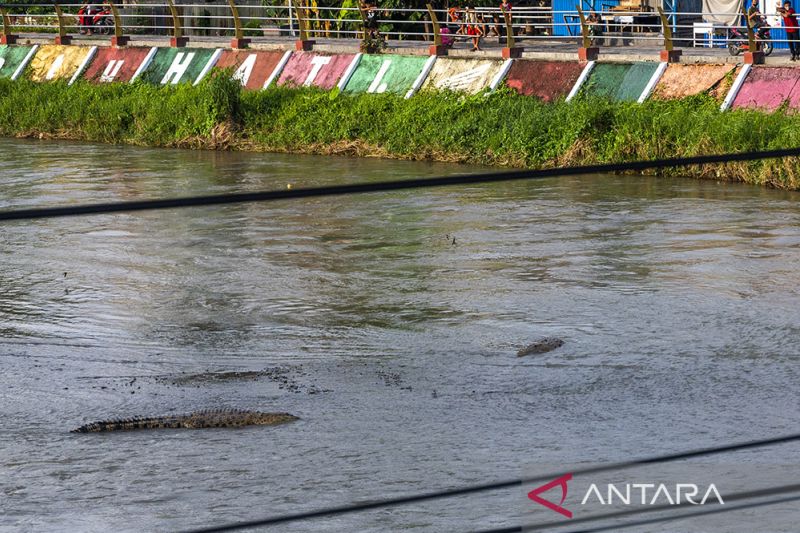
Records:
x=421, y=78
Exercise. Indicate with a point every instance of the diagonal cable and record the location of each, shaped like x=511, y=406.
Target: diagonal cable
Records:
x=383, y=186
x=716, y=508
x=404, y=500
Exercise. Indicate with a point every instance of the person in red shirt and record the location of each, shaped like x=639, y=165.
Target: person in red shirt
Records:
x=792, y=30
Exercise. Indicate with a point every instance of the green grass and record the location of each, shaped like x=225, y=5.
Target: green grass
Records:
x=498, y=129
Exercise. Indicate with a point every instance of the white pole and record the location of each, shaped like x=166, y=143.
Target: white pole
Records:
x=291, y=22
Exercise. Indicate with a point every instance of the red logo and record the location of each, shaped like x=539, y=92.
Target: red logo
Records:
x=562, y=482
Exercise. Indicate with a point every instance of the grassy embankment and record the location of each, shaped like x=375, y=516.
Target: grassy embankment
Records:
x=501, y=129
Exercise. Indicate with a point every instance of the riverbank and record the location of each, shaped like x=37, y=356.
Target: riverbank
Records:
x=501, y=129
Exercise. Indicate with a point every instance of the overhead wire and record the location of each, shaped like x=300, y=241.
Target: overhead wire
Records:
x=384, y=186
x=471, y=489
x=735, y=497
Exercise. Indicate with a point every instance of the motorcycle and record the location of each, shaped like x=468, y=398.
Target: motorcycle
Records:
x=738, y=42
x=96, y=18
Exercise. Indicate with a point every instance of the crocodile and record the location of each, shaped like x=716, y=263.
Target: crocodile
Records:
x=543, y=345
x=220, y=418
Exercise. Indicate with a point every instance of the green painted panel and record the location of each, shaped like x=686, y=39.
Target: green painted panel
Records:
x=10, y=58
x=385, y=73
x=177, y=65
x=636, y=80
x=620, y=81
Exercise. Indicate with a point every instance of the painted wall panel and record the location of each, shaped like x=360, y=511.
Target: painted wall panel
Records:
x=385, y=73
x=547, y=80
x=56, y=62
x=252, y=68
x=11, y=57
x=468, y=75
x=619, y=81
x=767, y=87
x=680, y=81
x=319, y=70
x=115, y=64
x=177, y=65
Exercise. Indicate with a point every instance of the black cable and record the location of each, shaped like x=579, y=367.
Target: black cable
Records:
x=717, y=508
x=713, y=510
x=382, y=186
x=403, y=500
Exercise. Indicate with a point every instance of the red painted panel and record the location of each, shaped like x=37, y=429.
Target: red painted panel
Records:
x=319, y=70
x=115, y=64
x=251, y=67
x=767, y=87
x=547, y=80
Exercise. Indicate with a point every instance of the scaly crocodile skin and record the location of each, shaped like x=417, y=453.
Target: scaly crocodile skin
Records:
x=232, y=418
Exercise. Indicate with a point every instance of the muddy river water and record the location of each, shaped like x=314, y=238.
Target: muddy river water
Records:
x=389, y=323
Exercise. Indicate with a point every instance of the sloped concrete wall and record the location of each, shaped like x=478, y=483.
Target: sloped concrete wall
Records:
x=385, y=73
x=115, y=64
x=619, y=81
x=251, y=68
x=680, y=81
x=313, y=69
x=56, y=62
x=547, y=80
x=768, y=87
x=11, y=58
x=467, y=75
x=178, y=65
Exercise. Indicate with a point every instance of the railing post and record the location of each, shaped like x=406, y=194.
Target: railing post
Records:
x=118, y=39
x=509, y=50
x=7, y=37
x=177, y=40
x=586, y=52
x=668, y=54
x=62, y=37
x=303, y=44
x=753, y=56
x=238, y=40
x=437, y=48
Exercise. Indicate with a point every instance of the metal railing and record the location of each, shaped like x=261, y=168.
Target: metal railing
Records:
x=526, y=27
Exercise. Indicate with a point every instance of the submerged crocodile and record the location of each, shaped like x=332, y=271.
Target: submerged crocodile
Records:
x=223, y=418
x=543, y=345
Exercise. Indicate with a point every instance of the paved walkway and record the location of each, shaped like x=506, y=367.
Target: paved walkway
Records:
x=532, y=48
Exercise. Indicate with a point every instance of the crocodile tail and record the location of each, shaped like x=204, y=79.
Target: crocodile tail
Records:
x=126, y=424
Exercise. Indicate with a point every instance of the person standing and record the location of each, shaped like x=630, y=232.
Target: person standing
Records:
x=754, y=16
x=792, y=30
x=474, y=30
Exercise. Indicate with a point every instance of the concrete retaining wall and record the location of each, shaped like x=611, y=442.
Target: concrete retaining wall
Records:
x=179, y=65
x=768, y=87
x=53, y=62
x=12, y=59
x=765, y=87
x=619, y=81
x=680, y=81
x=547, y=80
x=466, y=75
x=385, y=73
x=312, y=69
x=115, y=64
x=253, y=69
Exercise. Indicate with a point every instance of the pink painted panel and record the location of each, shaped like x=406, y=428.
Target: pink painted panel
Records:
x=319, y=70
x=767, y=87
x=252, y=67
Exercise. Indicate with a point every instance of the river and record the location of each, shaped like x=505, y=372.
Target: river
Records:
x=389, y=323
